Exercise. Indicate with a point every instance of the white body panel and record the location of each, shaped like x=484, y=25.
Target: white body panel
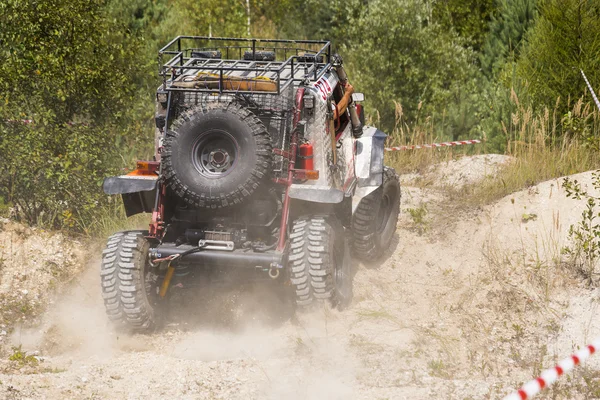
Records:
x=337, y=180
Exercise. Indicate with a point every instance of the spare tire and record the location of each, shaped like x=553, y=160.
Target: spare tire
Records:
x=216, y=155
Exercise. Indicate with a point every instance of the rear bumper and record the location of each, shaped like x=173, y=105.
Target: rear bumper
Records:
x=211, y=258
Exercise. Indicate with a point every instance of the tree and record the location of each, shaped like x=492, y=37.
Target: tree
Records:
x=73, y=72
x=315, y=19
x=397, y=54
x=506, y=32
x=566, y=38
x=469, y=18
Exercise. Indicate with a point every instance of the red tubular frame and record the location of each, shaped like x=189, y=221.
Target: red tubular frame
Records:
x=157, y=224
x=285, y=213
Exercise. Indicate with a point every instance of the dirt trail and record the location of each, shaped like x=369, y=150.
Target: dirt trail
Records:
x=462, y=307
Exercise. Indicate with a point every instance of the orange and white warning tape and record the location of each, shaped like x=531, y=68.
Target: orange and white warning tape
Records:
x=433, y=145
x=549, y=376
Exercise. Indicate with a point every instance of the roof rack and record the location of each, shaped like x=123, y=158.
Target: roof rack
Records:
x=241, y=65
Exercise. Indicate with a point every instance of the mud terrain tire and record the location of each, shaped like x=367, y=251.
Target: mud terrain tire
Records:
x=319, y=261
x=131, y=304
x=216, y=155
x=375, y=219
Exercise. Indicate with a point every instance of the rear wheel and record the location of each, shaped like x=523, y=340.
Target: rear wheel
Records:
x=374, y=221
x=129, y=287
x=319, y=261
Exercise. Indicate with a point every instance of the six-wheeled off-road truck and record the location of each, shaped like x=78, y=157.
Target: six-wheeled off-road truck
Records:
x=263, y=169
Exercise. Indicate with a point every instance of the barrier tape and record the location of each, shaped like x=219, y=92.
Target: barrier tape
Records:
x=433, y=145
x=591, y=89
x=549, y=376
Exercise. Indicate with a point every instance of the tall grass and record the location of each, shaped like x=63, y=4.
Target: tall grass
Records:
x=421, y=131
x=543, y=145
x=112, y=219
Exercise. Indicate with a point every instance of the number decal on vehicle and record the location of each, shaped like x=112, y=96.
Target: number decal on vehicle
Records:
x=323, y=86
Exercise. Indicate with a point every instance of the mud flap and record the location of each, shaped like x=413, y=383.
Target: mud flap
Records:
x=138, y=192
x=368, y=163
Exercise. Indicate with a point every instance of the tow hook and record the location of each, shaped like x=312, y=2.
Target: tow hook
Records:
x=274, y=270
x=274, y=273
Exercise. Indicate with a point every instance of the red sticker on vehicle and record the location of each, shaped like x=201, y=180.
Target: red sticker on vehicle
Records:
x=323, y=86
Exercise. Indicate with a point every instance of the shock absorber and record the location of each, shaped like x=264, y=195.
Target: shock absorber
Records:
x=354, y=118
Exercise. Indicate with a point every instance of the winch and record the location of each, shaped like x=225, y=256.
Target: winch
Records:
x=217, y=239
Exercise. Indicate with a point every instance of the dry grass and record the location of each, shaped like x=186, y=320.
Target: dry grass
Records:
x=113, y=219
x=544, y=146
x=421, y=132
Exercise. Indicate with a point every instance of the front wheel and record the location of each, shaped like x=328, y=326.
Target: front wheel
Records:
x=375, y=219
x=129, y=287
x=319, y=261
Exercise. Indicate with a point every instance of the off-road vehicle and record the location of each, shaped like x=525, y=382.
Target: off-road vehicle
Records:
x=263, y=169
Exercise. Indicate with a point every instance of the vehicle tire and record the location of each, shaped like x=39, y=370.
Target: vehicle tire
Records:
x=129, y=288
x=375, y=219
x=216, y=155
x=319, y=261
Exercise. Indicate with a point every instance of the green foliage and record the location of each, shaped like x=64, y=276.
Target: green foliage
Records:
x=21, y=357
x=397, y=54
x=585, y=235
x=499, y=90
x=315, y=19
x=224, y=18
x=469, y=18
x=566, y=37
x=208, y=17
x=63, y=59
x=52, y=173
x=138, y=15
x=506, y=32
x=74, y=72
x=581, y=126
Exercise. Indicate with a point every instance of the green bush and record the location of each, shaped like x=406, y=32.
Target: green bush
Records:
x=75, y=73
x=585, y=235
x=565, y=38
x=51, y=173
x=397, y=54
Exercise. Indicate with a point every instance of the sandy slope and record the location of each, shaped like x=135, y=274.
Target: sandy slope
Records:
x=466, y=306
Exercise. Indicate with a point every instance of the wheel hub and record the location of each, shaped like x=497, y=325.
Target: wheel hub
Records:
x=219, y=158
x=214, y=154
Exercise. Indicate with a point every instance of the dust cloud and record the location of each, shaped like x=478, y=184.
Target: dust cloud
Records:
x=252, y=331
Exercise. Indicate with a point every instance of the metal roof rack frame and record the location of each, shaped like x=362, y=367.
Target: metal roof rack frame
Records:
x=301, y=60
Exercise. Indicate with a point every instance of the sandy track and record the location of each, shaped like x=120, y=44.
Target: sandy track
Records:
x=463, y=307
